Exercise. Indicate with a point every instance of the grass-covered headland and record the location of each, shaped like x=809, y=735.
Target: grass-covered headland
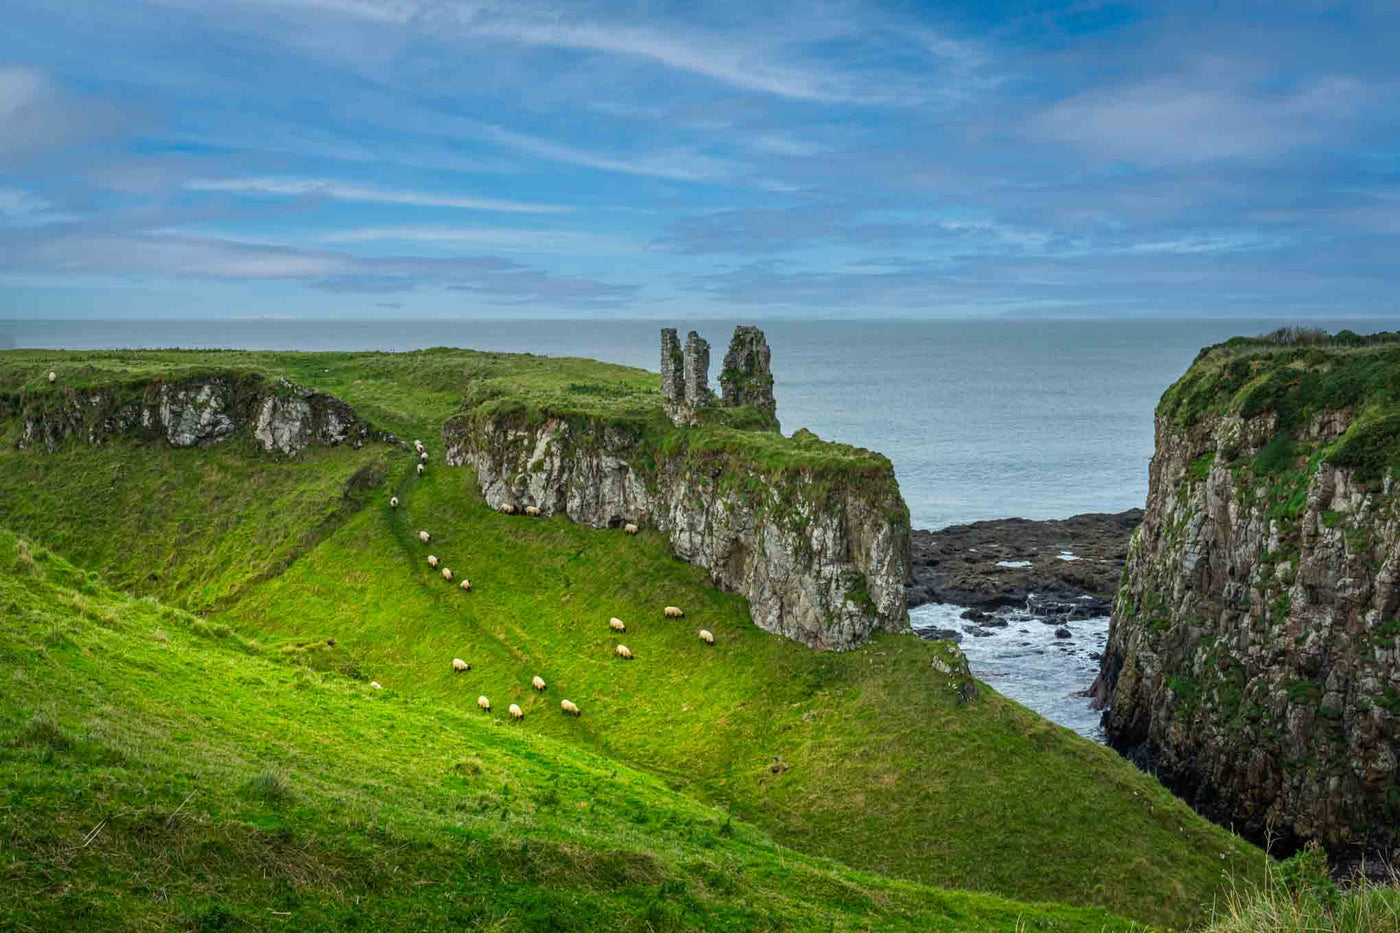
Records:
x=190, y=738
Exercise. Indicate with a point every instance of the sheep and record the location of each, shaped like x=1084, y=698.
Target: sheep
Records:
x=532, y=510
x=507, y=509
x=420, y=469
x=616, y=625
x=707, y=637
x=671, y=612
x=630, y=529
x=418, y=446
x=516, y=711
x=569, y=707
x=467, y=585
x=393, y=502
x=447, y=574
x=538, y=683
x=375, y=685
x=624, y=652
x=460, y=666
x=424, y=536
x=432, y=560
x=53, y=376
x=484, y=703
x=423, y=456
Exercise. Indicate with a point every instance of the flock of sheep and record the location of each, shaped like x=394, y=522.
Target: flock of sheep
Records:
x=461, y=667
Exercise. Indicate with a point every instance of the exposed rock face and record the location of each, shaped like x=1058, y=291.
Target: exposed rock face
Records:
x=1254, y=650
x=285, y=419
x=747, y=377
x=821, y=565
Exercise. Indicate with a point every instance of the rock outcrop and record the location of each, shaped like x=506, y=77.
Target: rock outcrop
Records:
x=1253, y=660
x=747, y=376
x=201, y=412
x=1057, y=569
x=822, y=558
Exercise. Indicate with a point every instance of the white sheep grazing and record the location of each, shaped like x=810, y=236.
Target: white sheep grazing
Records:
x=424, y=536
x=630, y=529
x=568, y=707
x=507, y=508
x=375, y=685
x=624, y=652
x=616, y=625
x=532, y=510
x=393, y=502
x=460, y=666
x=539, y=683
x=53, y=376
x=484, y=703
x=418, y=445
x=420, y=469
x=447, y=574
x=467, y=585
x=706, y=636
x=423, y=456
x=432, y=560
x=516, y=711
x=672, y=612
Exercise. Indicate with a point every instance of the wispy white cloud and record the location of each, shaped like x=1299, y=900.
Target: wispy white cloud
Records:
x=38, y=120
x=1184, y=120
x=499, y=238
x=677, y=164
x=344, y=191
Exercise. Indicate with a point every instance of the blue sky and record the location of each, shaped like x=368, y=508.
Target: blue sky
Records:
x=371, y=158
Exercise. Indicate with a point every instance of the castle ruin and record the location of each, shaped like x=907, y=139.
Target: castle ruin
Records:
x=746, y=378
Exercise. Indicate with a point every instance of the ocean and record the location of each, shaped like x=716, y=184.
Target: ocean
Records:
x=982, y=419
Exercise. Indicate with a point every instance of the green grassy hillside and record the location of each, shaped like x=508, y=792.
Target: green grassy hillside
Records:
x=868, y=757
x=162, y=773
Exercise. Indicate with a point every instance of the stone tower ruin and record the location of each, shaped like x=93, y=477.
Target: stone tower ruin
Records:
x=746, y=379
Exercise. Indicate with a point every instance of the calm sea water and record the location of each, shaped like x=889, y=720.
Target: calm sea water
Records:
x=982, y=419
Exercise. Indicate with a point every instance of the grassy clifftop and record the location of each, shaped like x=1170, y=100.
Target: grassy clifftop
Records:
x=1297, y=377
x=866, y=757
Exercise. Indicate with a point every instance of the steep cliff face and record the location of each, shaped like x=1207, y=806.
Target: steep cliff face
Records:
x=282, y=417
x=822, y=555
x=1252, y=658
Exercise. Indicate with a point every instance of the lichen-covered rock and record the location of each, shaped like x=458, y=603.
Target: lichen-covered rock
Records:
x=747, y=376
x=821, y=563
x=285, y=418
x=194, y=414
x=290, y=424
x=1254, y=649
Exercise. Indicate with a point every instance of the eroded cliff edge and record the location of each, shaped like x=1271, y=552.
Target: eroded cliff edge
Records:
x=815, y=535
x=1252, y=658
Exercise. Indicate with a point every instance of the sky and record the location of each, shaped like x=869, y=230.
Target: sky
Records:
x=425, y=158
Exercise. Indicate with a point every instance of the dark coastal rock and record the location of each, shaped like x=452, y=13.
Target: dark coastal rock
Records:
x=963, y=565
x=1063, y=633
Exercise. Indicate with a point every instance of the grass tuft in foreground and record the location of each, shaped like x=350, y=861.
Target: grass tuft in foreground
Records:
x=1300, y=895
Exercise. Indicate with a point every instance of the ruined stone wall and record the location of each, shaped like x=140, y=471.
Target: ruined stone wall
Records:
x=747, y=376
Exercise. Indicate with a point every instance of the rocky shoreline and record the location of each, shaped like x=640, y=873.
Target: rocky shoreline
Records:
x=1061, y=569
